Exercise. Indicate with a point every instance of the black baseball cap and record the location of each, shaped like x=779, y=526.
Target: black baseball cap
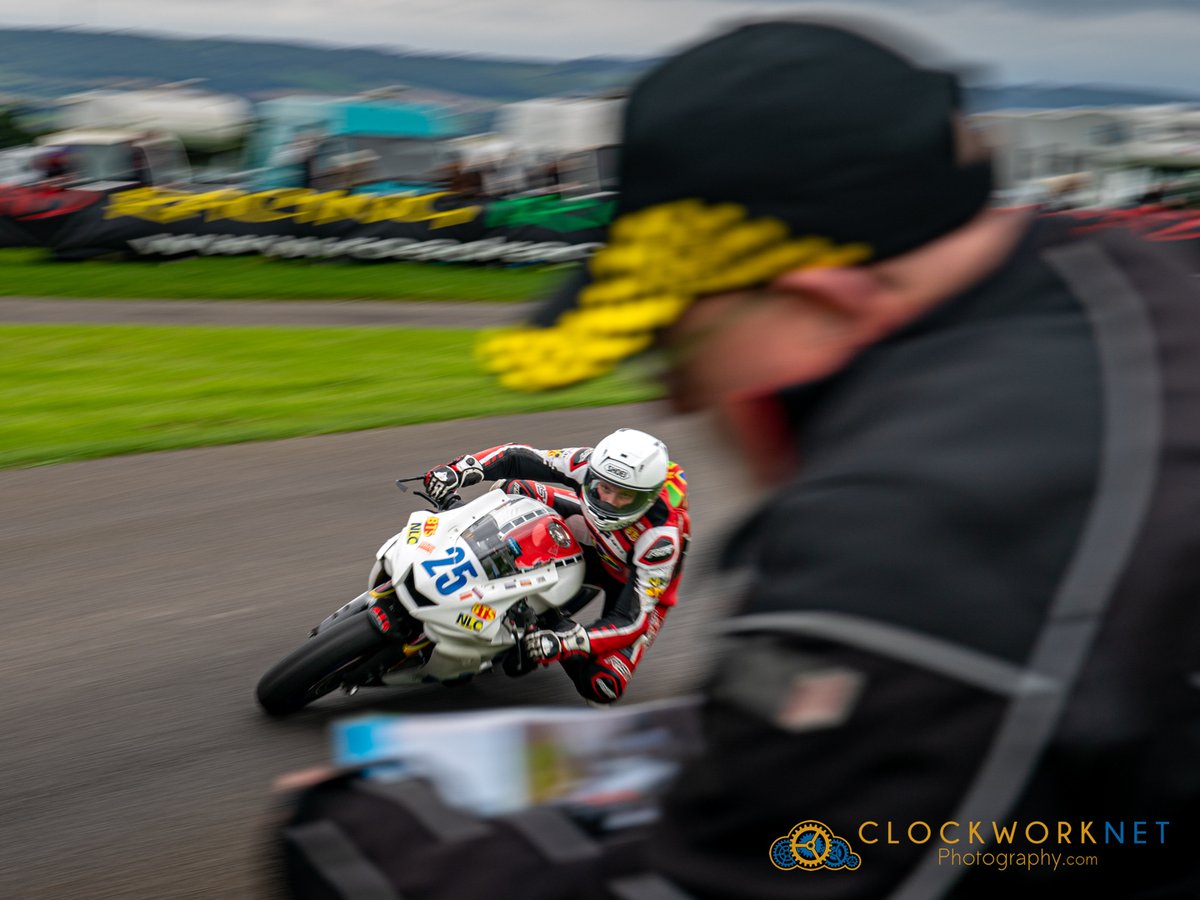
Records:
x=775, y=146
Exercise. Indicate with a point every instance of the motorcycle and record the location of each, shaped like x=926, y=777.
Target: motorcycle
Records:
x=450, y=596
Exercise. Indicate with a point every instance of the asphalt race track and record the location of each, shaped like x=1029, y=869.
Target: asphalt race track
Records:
x=143, y=596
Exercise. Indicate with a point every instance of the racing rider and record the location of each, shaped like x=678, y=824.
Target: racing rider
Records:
x=626, y=503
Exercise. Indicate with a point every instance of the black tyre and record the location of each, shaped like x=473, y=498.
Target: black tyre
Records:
x=316, y=667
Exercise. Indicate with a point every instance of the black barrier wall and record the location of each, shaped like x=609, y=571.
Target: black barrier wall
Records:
x=294, y=223
x=299, y=223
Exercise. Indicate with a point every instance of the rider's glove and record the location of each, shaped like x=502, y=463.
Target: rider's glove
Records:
x=442, y=481
x=549, y=646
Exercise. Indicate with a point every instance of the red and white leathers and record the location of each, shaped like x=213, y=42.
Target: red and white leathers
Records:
x=639, y=565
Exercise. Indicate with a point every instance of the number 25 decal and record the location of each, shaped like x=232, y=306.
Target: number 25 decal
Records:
x=445, y=584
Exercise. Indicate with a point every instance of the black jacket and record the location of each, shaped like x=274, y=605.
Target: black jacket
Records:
x=978, y=603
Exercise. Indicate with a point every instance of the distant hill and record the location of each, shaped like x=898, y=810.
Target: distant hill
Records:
x=47, y=63
x=1046, y=96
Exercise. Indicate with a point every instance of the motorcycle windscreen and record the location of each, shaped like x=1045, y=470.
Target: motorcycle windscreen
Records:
x=536, y=539
x=496, y=554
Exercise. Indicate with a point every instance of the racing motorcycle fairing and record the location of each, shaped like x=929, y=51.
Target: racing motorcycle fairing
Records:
x=460, y=572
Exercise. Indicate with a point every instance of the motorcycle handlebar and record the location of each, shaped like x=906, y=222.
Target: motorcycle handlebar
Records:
x=450, y=502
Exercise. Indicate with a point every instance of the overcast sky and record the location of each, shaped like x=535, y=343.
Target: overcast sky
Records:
x=1148, y=43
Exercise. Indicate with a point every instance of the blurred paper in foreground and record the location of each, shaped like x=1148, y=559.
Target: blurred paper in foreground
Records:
x=605, y=768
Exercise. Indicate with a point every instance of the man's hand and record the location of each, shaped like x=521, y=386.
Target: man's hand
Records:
x=442, y=481
x=546, y=647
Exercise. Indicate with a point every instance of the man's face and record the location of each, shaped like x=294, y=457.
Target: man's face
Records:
x=616, y=497
x=749, y=342
x=716, y=346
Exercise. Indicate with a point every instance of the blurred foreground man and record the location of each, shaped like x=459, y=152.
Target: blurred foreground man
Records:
x=977, y=582
x=968, y=664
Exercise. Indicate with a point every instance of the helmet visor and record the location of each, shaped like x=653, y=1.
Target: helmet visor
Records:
x=610, y=499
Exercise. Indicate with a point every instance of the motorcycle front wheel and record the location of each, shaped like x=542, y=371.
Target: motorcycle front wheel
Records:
x=315, y=668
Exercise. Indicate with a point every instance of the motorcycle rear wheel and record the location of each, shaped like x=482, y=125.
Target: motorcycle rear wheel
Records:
x=315, y=668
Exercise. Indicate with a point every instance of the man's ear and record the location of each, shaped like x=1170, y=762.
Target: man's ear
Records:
x=850, y=291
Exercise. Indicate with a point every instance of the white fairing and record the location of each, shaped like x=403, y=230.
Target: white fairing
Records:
x=462, y=606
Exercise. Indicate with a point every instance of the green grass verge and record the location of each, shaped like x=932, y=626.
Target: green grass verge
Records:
x=70, y=392
x=31, y=273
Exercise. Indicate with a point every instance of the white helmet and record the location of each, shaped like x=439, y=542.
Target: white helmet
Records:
x=625, y=473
